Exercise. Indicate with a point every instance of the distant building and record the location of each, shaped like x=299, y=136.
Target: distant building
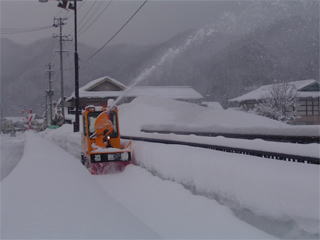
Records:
x=307, y=102
x=99, y=91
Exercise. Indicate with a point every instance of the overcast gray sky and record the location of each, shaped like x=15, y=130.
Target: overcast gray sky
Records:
x=156, y=22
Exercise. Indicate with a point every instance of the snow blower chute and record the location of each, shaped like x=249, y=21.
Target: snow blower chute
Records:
x=102, y=150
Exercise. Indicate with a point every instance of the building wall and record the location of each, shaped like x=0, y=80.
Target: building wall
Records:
x=248, y=105
x=83, y=102
x=307, y=110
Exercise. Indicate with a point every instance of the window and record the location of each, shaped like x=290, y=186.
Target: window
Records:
x=92, y=116
x=309, y=107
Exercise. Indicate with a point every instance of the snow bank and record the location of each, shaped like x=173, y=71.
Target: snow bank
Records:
x=310, y=150
x=11, y=150
x=173, y=211
x=283, y=197
x=51, y=195
x=154, y=201
x=285, y=193
x=165, y=114
x=65, y=138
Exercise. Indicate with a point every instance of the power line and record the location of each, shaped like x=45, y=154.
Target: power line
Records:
x=96, y=18
x=91, y=16
x=86, y=14
x=120, y=29
x=83, y=3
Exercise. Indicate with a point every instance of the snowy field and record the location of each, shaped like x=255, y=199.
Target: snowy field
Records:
x=278, y=197
x=170, y=115
x=172, y=191
x=160, y=114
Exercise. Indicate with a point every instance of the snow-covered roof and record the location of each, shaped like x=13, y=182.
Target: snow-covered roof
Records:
x=263, y=91
x=92, y=84
x=172, y=92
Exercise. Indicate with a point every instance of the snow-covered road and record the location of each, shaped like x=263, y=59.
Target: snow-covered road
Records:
x=173, y=211
x=51, y=195
x=11, y=150
x=278, y=197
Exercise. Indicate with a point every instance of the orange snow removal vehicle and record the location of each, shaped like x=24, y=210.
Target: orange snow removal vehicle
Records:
x=102, y=150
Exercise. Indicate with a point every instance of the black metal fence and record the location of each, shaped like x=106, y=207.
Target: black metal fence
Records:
x=257, y=153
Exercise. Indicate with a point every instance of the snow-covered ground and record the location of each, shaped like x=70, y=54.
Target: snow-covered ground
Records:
x=275, y=196
x=310, y=150
x=51, y=195
x=165, y=114
x=285, y=195
x=172, y=192
x=173, y=211
x=11, y=150
x=170, y=115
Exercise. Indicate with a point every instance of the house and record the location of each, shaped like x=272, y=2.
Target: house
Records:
x=307, y=93
x=99, y=91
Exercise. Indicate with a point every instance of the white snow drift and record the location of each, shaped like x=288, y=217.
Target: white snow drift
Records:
x=277, y=190
x=51, y=195
x=166, y=114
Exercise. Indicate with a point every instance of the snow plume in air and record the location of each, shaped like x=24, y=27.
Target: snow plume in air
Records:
x=257, y=14
x=170, y=54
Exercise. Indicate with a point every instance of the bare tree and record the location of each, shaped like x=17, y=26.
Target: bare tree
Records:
x=280, y=103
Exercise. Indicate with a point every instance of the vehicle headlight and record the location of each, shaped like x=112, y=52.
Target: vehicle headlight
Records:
x=124, y=156
x=97, y=157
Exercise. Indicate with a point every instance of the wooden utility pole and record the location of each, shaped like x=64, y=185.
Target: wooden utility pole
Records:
x=59, y=22
x=50, y=93
x=46, y=118
x=76, y=127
